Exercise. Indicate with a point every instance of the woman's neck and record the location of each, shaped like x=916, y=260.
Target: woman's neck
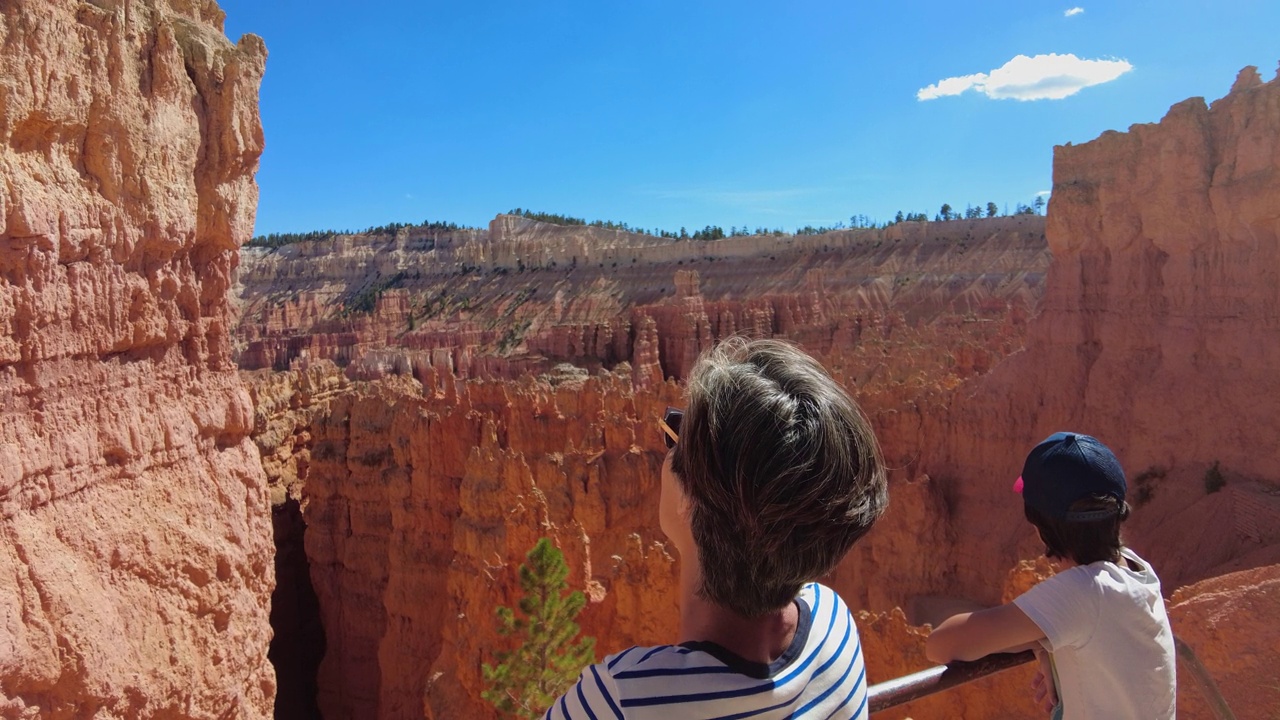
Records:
x=761, y=639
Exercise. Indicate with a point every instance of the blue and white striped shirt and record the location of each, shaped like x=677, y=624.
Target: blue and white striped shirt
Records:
x=821, y=675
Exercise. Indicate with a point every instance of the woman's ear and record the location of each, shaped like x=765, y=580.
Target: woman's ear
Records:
x=685, y=506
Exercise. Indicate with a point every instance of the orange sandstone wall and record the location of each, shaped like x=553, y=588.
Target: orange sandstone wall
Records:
x=135, y=566
x=1229, y=623
x=424, y=481
x=1157, y=333
x=419, y=504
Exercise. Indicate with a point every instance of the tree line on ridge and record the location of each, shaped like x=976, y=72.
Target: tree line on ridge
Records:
x=945, y=213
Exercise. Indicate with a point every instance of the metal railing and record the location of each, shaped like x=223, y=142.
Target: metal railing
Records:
x=903, y=690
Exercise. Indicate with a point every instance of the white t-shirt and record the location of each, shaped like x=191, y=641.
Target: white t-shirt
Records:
x=1109, y=636
x=821, y=675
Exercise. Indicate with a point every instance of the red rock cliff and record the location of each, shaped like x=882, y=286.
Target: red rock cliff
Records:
x=135, y=567
x=418, y=506
x=422, y=494
x=526, y=295
x=1157, y=333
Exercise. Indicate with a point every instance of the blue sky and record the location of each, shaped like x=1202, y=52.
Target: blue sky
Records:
x=665, y=113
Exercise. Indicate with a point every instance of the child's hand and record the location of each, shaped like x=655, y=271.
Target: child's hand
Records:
x=1042, y=684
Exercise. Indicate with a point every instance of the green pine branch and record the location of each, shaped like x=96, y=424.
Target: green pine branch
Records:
x=547, y=660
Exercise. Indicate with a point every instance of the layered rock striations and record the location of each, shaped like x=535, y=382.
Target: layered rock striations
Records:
x=419, y=504
x=523, y=296
x=135, y=568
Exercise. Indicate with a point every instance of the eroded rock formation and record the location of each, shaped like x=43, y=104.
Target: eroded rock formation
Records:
x=135, y=567
x=1227, y=623
x=418, y=504
x=414, y=488
x=434, y=459
x=492, y=304
x=1157, y=333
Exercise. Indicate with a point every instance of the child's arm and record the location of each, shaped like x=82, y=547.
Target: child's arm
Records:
x=969, y=636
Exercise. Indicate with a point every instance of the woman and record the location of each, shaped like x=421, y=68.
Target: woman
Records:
x=772, y=474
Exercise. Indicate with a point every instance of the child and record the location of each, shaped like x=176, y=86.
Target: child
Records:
x=1101, y=618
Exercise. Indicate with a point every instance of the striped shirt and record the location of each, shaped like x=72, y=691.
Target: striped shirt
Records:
x=821, y=675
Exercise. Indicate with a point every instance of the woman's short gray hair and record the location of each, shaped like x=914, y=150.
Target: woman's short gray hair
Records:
x=781, y=468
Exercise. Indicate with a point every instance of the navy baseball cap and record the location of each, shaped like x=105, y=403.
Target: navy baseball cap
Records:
x=1066, y=467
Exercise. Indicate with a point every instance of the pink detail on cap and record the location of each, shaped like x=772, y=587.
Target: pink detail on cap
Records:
x=1017, y=485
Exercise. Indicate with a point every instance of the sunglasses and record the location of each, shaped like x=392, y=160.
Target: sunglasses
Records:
x=670, y=425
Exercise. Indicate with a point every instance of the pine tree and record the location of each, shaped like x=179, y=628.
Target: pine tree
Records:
x=546, y=661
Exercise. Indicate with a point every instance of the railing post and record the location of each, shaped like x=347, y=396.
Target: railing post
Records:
x=1208, y=688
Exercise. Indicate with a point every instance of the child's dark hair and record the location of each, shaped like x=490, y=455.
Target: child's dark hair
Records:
x=1082, y=542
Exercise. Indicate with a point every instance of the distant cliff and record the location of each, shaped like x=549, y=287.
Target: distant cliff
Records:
x=135, y=569
x=525, y=295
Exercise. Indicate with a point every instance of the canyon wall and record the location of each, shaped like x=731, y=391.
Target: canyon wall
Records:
x=453, y=396
x=419, y=504
x=1157, y=333
x=433, y=459
x=487, y=304
x=135, y=567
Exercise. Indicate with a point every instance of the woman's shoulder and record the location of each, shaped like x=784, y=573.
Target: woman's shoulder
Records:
x=639, y=661
x=819, y=597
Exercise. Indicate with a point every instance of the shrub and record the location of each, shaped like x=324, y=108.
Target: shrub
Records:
x=1143, y=485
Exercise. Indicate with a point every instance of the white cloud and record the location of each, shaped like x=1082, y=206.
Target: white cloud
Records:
x=1045, y=193
x=1073, y=11
x=1042, y=77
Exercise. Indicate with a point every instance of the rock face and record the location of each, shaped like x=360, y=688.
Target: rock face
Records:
x=1226, y=621
x=418, y=505
x=454, y=436
x=445, y=460
x=523, y=296
x=1157, y=333
x=135, y=568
